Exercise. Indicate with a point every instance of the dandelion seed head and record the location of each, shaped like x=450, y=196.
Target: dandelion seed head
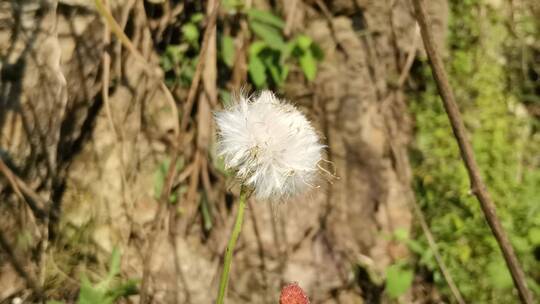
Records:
x=270, y=144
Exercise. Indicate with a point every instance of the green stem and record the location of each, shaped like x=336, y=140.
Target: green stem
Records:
x=224, y=281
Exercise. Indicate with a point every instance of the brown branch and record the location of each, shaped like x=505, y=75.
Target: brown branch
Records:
x=24, y=192
x=30, y=280
x=166, y=191
x=409, y=61
x=478, y=187
x=198, y=71
x=118, y=31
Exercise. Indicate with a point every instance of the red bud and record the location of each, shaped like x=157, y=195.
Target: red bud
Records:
x=293, y=294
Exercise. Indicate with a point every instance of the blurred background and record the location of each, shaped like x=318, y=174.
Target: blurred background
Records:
x=106, y=105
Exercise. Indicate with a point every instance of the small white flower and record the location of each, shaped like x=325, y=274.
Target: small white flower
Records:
x=271, y=145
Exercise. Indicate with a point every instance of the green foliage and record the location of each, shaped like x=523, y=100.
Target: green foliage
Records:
x=265, y=17
x=270, y=54
x=107, y=291
x=308, y=54
x=399, y=278
x=177, y=61
x=523, y=60
x=227, y=50
x=504, y=146
x=206, y=212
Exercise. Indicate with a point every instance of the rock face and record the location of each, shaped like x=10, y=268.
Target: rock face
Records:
x=32, y=106
x=32, y=89
x=103, y=159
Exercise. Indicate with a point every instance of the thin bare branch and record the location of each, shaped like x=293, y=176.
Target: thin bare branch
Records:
x=433, y=246
x=478, y=187
x=166, y=191
x=119, y=33
x=30, y=280
x=24, y=192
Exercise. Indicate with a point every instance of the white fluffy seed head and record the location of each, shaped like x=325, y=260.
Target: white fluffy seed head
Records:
x=270, y=144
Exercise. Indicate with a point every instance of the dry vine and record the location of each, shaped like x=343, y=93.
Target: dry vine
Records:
x=478, y=188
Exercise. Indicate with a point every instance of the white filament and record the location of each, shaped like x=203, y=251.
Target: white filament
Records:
x=270, y=144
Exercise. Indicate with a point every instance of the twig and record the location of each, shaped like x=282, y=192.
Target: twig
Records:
x=198, y=71
x=478, y=187
x=404, y=177
x=290, y=17
x=166, y=191
x=119, y=33
x=17, y=265
x=23, y=191
x=433, y=246
x=106, y=65
x=207, y=100
x=410, y=60
x=117, y=131
x=163, y=200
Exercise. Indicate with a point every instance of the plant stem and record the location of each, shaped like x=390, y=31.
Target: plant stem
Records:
x=224, y=281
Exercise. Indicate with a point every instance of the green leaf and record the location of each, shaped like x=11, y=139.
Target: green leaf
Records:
x=173, y=55
x=108, y=290
x=256, y=47
x=308, y=63
x=498, y=274
x=114, y=270
x=269, y=34
x=227, y=50
x=304, y=42
x=286, y=52
x=273, y=67
x=196, y=18
x=464, y=252
x=232, y=5
x=90, y=295
x=166, y=63
x=124, y=290
x=257, y=71
x=534, y=236
x=401, y=234
x=275, y=73
x=190, y=33
x=265, y=17
x=284, y=72
x=317, y=52
x=114, y=267
x=188, y=70
x=54, y=302
x=398, y=280
x=206, y=213
x=415, y=246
